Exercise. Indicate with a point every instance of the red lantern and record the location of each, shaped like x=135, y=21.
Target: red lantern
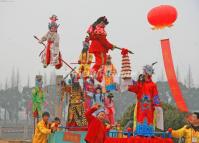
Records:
x=162, y=16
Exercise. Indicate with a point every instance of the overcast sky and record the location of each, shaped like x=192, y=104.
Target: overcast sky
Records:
x=21, y=19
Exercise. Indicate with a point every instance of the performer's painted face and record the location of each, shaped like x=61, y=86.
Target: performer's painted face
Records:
x=146, y=77
x=102, y=24
x=101, y=116
x=40, y=84
x=53, y=29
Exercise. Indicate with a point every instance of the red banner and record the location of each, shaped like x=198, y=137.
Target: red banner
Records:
x=171, y=76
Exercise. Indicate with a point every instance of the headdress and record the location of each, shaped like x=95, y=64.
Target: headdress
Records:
x=148, y=69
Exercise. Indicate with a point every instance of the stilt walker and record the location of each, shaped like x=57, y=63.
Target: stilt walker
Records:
x=100, y=46
x=51, y=54
x=37, y=99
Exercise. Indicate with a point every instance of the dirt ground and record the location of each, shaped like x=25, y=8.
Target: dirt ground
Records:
x=13, y=141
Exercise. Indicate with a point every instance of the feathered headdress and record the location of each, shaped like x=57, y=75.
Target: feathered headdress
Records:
x=53, y=23
x=148, y=69
x=53, y=18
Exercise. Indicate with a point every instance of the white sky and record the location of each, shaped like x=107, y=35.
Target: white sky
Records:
x=21, y=19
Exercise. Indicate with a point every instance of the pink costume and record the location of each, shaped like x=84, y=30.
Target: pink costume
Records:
x=109, y=109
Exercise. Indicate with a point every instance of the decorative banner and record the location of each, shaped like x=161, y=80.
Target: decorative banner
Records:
x=71, y=137
x=171, y=76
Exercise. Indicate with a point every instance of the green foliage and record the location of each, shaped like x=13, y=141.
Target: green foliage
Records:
x=173, y=118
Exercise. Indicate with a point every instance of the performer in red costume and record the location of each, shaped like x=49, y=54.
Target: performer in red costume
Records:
x=110, y=108
x=147, y=100
x=100, y=46
x=96, y=126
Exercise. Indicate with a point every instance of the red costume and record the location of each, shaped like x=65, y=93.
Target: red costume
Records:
x=109, y=109
x=147, y=99
x=96, y=129
x=99, y=44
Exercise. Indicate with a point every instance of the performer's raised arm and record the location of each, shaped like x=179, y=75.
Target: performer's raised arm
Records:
x=89, y=113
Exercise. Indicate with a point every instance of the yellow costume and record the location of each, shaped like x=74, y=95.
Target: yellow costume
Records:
x=109, y=75
x=41, y=133
x=190, y=135
x=110, y=72
x=85, y=60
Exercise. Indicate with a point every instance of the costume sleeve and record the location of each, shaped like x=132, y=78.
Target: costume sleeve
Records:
x=42, y=98
x=44, y=38
x=55, y=47
x=89, y=113
x=34, y=92
x=80, y=57
x=105, y=42
x=133, y=88
x=178, y=133
x=43, y=129
x=156, y=98
x=90, y=57
x=114, y=71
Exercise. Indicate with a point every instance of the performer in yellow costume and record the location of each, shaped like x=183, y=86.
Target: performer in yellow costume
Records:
x=85, y=59
x=109, y=74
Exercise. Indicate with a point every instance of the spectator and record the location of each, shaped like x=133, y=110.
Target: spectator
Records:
x=56, y=123
x=189, y=132
x=41, y=130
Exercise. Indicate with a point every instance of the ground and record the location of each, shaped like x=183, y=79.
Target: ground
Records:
x=13, y=141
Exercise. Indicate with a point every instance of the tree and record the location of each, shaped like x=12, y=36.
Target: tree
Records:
x=6, y=84
x=13, y=78
x=1, y=86
x=27, y=104
x=28, y=81
x=189, y=79
x=18, y=79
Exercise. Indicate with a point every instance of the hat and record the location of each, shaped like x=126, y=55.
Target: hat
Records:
x=148, y=69
x=53, y=18
x=52, y=24
x=99, y=111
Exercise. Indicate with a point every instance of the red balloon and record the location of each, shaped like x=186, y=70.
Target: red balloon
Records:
x=162, y=16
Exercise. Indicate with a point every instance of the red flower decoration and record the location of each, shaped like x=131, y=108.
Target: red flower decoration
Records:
x=124, y=51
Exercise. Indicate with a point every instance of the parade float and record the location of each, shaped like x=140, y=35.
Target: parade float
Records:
x=94, y=82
